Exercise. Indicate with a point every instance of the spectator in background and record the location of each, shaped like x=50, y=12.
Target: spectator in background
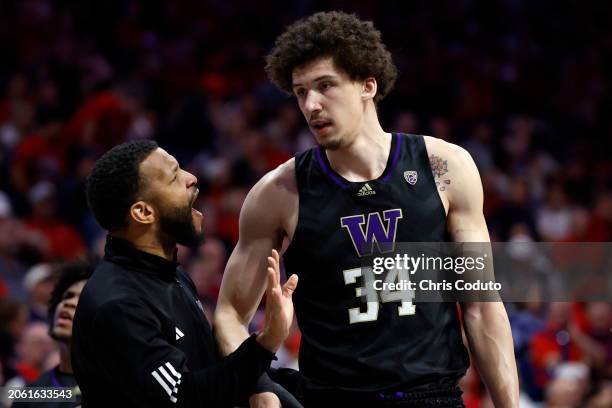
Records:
x=17, y=111
x=13, y=320
x=36, y=353
x=6, y=208
x=554, y=221
x=39, y=282
x=480, y=145
x=602, y=397
x=441, y=128
x=526, y=321
x=599, y=315
x=553, y=345
x=62, y=306
x=41, y=155
x=515, y=210
x=206, y=271
x=18, y=246
x=406, y=122
x=102, y=120
x=63, y=241
x=568, y=387
x=599, y=227
x=5, y=212
x=579, y=226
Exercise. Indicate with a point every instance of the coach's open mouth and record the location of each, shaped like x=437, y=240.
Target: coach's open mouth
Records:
x=194, y=211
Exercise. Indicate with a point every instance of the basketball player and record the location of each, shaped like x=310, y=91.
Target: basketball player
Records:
x=328, y=206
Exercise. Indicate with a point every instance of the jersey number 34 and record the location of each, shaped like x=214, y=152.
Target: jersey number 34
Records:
x=371, y=295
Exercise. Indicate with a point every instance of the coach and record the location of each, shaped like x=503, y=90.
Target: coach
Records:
x=140, y=336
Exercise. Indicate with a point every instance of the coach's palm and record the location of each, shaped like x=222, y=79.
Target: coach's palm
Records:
x=279, y=306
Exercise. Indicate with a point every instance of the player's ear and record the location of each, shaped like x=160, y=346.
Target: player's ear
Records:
x=142, y=212
x=369, y=88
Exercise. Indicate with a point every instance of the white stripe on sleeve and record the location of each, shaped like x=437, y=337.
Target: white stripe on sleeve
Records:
x=162, y=383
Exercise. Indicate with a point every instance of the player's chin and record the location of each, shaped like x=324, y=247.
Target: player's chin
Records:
x=62, y=333
x=331, y=144
x=330, y=141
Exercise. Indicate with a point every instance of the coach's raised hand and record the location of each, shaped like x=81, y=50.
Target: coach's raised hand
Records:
x=279, y=306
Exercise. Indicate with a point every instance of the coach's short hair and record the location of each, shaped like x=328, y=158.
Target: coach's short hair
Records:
x=115, y=181
x=355, y=46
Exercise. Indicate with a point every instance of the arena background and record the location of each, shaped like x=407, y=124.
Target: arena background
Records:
x=524, y=86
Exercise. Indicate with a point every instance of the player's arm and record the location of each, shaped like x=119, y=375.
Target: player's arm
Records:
x=486, y=323
x=264, y=212
x=244, y=279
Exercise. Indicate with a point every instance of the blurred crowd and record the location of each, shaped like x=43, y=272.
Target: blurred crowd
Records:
x=525, y=87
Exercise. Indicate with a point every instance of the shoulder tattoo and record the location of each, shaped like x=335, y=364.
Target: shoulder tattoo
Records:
x=439, y=168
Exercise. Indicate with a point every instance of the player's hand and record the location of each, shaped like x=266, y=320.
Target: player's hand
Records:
x=264, y=400
x=279, y=306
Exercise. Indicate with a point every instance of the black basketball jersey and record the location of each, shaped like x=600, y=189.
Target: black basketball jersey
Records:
x=348, y=344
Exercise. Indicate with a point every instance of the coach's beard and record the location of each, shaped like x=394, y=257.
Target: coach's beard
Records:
x=177, y=223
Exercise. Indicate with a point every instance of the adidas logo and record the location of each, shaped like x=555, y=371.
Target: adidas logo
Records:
x=365, y=191
x=179, y=333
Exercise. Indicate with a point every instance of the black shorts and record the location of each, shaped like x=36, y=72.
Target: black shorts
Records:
x=438, y=398
x=427, y=396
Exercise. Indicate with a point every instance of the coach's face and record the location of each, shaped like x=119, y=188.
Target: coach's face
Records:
x=331, y=102
x=64, y=312
x=170, y=193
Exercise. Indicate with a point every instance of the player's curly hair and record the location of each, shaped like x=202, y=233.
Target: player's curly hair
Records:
x=69, y=274
x=355, y=46
x=115, y=181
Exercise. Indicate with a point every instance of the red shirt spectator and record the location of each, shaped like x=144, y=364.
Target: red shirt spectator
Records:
x=39, y=156
x=103, y=120
x=64, y=242
x=554, y=344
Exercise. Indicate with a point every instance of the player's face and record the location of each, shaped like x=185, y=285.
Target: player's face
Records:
x=330, y=101
x=172, y=191
x=64, y=312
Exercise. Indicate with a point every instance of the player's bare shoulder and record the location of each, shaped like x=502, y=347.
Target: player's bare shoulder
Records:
x=454, y=171
x=274, y=198
x=277, y=185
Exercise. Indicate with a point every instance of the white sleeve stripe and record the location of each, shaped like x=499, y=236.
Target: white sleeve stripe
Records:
x=167, y=376
x=173, y=399
x=162, y=383
x=173, y=371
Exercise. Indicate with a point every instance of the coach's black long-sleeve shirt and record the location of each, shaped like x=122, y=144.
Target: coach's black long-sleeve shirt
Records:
x=140, y=339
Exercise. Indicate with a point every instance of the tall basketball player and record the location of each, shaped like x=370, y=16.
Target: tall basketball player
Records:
x=362, y=185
